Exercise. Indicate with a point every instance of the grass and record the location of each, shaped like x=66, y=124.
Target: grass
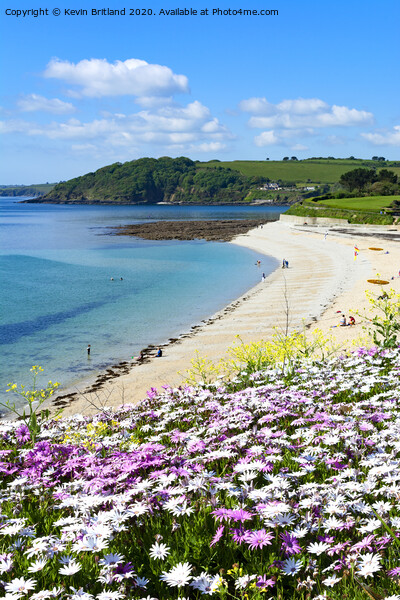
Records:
x=368, y=203
x=302, y=172
x=26, y=190
x=350, y=216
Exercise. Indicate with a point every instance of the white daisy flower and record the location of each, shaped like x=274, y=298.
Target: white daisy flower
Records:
x=20, y=585
x=71, y=568
x=318, y=548
x=178, y=576
x=368, y=564
x=38, y=565
x=159, y=551
x=331, y=581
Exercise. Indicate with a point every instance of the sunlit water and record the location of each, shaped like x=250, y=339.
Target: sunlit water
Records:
x=57, y=296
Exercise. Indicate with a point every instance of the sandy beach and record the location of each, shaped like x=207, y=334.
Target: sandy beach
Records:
x=323, y=278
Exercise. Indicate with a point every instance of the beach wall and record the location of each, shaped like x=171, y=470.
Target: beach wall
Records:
x=295, y=220
x=311, y=220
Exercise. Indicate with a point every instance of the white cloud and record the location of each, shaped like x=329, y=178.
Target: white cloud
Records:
x=97, y=78
x=83, y=147
x=257, y=106
x=33, y=102
x=392, y=138
x=336, y=116
x=301, y=113
x=299, y=147
x=14, y=126
x=298, y=118
x=190, y=126
x=301, y=106
x=209, y=147
x=267, y=138
x=335, y=140
x=282, y=138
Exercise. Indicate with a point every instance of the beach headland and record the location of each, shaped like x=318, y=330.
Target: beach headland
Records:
x=322, y=282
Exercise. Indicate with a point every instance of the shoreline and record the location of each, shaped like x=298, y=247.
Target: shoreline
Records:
x=322, y=276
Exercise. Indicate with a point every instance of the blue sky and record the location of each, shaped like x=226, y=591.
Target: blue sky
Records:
x=80, y=92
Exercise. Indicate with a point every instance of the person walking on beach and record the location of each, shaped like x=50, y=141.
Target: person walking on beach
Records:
x=88, y=350
x=263, y=277
x=283, y=263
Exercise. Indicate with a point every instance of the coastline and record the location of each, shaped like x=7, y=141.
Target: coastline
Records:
x=322, y=278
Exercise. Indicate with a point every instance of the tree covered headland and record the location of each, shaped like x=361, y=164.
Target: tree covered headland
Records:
x=150, y=180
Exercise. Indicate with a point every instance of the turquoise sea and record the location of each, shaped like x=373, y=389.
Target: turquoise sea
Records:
x=56, y=265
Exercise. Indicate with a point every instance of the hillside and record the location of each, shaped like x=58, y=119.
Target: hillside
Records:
x=183, y=181
x=303, y=172
x=376, y=210
x=26, y=190
x=149, y=181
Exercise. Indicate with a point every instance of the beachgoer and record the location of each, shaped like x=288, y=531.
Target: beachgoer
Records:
x=112, y=279
x=352, y=320
x=159, y=352
x=121, y=279
x=88, y=350
x=343, y=322
x=263, y=277
x=283, y=263
x=141, y=356
x=286, y=264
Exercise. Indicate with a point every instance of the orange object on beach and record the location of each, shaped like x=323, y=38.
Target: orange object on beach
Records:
x=375, y=249
x=378, y=281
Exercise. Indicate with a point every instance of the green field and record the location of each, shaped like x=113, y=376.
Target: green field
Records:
x=26, y=190
x=366, y=204
x=368, y=209
x=302, y=172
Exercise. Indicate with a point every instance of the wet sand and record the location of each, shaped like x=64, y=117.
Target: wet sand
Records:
x=322, y=279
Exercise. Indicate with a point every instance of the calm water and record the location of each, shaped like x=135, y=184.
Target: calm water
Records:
x=57, y=295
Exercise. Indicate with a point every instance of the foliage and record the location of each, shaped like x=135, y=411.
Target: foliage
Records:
x=203, y=371
x=30, y=414
x=26, y=190
x=283, y=351
x=386, y=175
x=368, y=180
x=285, y=490
x=316, y=170
x=356, y=217
x=150, y=180
x=357, y=179
x=385, y=322
x=275, y=197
